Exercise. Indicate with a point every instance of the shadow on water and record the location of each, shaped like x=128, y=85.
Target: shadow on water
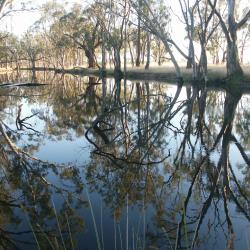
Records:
x=91, y=163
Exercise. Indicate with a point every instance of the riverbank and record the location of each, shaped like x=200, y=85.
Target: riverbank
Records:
x=216, y=74
x=153, y=73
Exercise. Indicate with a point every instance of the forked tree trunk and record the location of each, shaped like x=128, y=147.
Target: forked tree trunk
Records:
x=90, y=57
x=233, y=63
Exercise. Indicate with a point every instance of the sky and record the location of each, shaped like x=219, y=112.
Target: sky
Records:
x=19, y=22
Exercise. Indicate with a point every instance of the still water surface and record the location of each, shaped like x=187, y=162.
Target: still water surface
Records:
x=90, y=163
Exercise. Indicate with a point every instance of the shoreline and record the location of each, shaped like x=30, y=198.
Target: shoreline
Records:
x=217, y=75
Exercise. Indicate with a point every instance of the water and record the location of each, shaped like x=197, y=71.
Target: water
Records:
x=97, y=164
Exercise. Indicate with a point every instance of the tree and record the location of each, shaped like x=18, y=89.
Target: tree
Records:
x=156, y=20
x=32, y=48
x=138, y=40
x=84, y=29
x=205, y=33
x=10, y=52
x=114, y=27
x=148, y=50
x=197, y=18
x=158, y=51
x=230, y=29
x=188, y=15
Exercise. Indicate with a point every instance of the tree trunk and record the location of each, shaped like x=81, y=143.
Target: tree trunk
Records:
x=159, y=53
x=148, y=51
x=131, y=54
x=125, y=49
x=143, y=52
x=117, y=61
x=223, y=60
x=33, y=64
x=138, y=44
x=217, y=60
x=173, y=59
x=189, y=61
x=203, y=64
x=103, y=52
x=90, y=57
x=233, y=64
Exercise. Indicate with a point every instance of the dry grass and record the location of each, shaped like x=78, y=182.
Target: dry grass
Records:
x=219, y=70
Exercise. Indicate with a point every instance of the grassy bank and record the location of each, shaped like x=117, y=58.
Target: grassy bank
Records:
x=157, y=73
x=216, y=75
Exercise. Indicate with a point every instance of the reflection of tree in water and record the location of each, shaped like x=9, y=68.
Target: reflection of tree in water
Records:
x=29, y=218
x=26, y=190
x=133, y=134
x=151, y=147
x=71, y=104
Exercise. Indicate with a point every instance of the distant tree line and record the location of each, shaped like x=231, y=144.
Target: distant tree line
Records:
x=132, y=32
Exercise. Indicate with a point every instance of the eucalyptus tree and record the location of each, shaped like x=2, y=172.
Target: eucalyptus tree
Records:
x=3, y=5
x=200, y=25
x=156, y=20
x=60, y=43
x=188, y=16
x=32, y=47
x=10, y=52
x=158, y=51
x=112, y=16
x=3, y=44
x=51, y=31
x=207, y=25
x=130, y=38
x=230, y=29
x=215, y=45
x=84, y=30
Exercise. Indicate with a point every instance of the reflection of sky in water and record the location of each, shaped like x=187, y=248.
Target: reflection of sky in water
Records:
x=75, y=150
x=65, y=151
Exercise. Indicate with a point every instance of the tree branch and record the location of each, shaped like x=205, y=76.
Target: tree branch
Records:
x=243, y=20
x=222, y=23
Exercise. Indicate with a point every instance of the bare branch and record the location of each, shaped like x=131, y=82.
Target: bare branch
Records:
x=222, y=23
x=243, y=20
